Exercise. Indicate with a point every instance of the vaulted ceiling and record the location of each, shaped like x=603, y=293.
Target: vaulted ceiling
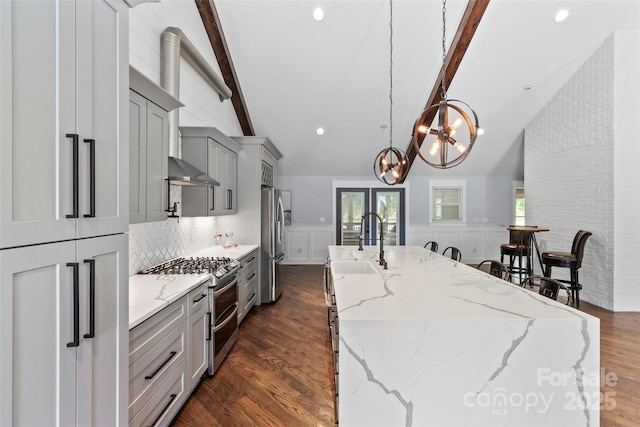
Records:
x=297, y=74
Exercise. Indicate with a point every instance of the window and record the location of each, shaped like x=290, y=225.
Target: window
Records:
x=518, y=209
x=447, y=201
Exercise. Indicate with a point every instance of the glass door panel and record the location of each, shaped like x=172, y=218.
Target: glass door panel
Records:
x=389, y=205
x=352, y=203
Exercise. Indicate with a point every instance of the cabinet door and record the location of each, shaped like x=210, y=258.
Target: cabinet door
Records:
x=137, y=158
x=102, y=115
x=222, y=203
x=103, y=356
x=157, y=153
x=198, y=330
x=232, y=196
x=37, y=111
x=203, y=155
x=37, y=368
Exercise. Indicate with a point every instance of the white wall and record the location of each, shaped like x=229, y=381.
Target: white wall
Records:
x=489, y=199
x=581, y=155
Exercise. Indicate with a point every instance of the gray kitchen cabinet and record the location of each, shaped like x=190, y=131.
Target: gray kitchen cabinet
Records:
x=64, y=334
x=198, y=332
x=167, y=358
x=247, y=283
x=149, y=107
x=63, y=212
x=64, y=125
x=215, y=154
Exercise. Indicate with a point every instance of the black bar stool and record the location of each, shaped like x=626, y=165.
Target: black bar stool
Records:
x=571, y=260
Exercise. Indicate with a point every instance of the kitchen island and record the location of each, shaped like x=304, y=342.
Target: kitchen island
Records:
x=434, y=342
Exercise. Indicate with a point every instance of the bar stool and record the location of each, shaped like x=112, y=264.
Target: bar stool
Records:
x=519, y=245
x=455, y=254
x=571, y=260
x=496, y=269
x=432, y=246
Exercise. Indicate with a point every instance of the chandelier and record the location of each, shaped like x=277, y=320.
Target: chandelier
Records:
x=451, y=138
x=390, y=165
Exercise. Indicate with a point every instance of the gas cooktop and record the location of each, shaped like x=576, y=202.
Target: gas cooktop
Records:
x=199, y=265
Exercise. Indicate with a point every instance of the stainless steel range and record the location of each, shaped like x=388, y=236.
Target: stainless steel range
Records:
x=223, y=299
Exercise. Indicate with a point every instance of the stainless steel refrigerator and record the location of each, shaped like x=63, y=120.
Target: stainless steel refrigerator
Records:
x=272, y=244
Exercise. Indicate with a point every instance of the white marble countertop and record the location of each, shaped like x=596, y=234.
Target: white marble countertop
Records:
x=150, y=293
x=423, y=284
x=433, y=342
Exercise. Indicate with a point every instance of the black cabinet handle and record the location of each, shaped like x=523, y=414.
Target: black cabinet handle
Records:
x=162, y=365
x=252, y=295
x=252, y=258
x=252, y=276
x=172, y=398
x=92, y=178
x=213, y=198
x=229, y=199
x=209, y=326
x=92, y=298
x=75, y=177
x=200, y=298
x=76, y=305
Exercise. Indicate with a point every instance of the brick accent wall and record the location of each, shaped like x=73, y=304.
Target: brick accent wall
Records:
x=581, y=163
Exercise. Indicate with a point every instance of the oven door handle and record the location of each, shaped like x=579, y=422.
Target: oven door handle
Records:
x=234, y=282
x=228, y=319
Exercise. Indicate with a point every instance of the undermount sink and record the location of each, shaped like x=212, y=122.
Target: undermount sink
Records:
x=353, y=267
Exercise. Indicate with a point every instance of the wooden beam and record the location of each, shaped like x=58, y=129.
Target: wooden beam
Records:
x=467, y=28
x=209, y=16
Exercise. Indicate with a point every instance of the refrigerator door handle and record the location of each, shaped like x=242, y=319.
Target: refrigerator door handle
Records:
x=279, y=258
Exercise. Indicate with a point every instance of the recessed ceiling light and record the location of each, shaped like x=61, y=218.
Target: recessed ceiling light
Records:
x=320, y=131
x=561, y=15
x=318, y=14
x=528, y=87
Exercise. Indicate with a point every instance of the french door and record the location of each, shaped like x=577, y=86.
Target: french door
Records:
x=353, y=203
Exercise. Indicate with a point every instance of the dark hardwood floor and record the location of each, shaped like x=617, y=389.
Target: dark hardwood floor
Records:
x=279, y=372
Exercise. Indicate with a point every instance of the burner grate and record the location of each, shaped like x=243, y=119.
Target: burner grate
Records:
x=193, y=265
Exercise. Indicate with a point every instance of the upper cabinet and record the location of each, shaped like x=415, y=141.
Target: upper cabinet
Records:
x=149, y=107
x=215, y=154
x=63, y=120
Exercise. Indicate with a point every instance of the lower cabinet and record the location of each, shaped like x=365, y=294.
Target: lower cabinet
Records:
x=247, y=283
x=167, y=358
x=198, y=334
x=334, y=333
x=63, y=333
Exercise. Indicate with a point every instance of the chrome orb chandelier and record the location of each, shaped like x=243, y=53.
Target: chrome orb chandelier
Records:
x=450, y=138
x=390, y=165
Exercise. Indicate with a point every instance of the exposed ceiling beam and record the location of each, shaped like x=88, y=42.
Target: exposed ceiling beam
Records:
x=467, y=28
x=211, y=22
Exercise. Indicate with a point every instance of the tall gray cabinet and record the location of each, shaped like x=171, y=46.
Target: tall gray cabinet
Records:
x=63, y=212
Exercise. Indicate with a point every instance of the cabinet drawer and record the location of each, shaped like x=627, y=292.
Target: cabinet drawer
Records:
x=150, y=332
x=197, y=298
x=248, y=266
x=165, y=403
x=148, y=373
x=247, y=290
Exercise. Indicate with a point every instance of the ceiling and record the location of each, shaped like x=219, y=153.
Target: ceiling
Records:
x=297, y=74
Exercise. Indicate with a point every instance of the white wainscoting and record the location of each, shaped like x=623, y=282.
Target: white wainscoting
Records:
x=308, y=244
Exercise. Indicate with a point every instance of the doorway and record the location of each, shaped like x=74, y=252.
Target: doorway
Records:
x=353, y=203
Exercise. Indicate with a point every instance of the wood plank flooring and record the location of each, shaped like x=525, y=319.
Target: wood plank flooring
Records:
x=279, y=372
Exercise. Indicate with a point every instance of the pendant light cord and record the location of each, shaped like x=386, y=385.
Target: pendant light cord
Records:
x=444, y=47
x=390, y=73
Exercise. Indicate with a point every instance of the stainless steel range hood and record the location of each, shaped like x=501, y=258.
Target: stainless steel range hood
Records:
x=183, y=173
